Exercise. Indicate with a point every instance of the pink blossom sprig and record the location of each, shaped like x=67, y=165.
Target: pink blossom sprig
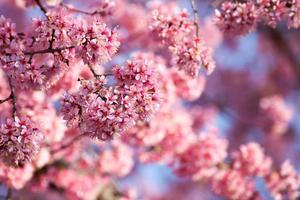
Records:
x=138, y=80
x=240, y=18
x=176, y=31
x=233, y=185
x=201, y=159
x=41, y=57
x=285, y=183
x=276, y=115
x=20, y=141
x=251, y=160
x=294, y=14
x=236, y=18
x=101, y=111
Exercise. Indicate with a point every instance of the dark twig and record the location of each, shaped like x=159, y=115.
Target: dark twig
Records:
x=4, y=100
x=52, y=39
x=14, y=98
x=82, y=11
x=49, y=50
x=96, y=75
x=40, y=5
x=93, y=71
x=196, y=17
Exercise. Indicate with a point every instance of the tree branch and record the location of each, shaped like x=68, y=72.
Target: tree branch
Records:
x=42, y=8
x=49, y=50
x=196, y=17
x=81, y=11
x=14, y=98
x=6, y=99
x=96, y=75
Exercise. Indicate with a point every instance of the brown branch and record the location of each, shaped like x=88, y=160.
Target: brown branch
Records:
x=6, y=99
x=81, y=11
x=93, y=71
x=96, y=75
x=14, y=98
x=49, y=50
x=52, y=39
x=42, y=8
x=196, y=17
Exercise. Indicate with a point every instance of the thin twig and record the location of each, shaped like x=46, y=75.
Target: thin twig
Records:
x=93, y=71
x=96, y=75
x=196, y=17
x=64, y=146
x=6, y=99
x=14, y=98
x=81, y=11
x=49, y=50
x=52, y=39
x=40, y=5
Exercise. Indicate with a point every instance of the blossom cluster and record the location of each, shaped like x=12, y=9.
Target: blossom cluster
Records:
x=235, y=178
x=19, y=141
x=240, y=18
x=277, y=115
x=102, y=111
x=42, y=56
x=148, y=107
x=177, y=32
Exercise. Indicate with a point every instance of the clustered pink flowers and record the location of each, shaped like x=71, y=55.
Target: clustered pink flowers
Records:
x=175, y=30
x=236, y=18
x=40, y=57
x=124, y=78
x=276, y=115
x=240, y=18
x=19, y=141
x=284, y=183
x=101, y=110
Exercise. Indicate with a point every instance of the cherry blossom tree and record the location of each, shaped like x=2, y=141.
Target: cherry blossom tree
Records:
x=92, y=92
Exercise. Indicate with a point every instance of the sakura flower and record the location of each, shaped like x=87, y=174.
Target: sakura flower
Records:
x=121, y=155
x=200, y=160
x=294, y=14
x=284, y=184
x=271, y=11
x=20, y=141
x=16, y=177
x=250, y=160
x=236, y=18
x=233, y=185
x=277, y=115
x=177, y=32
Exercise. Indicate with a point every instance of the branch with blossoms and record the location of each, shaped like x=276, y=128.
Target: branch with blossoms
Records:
x=237, y=18
x=86, y=110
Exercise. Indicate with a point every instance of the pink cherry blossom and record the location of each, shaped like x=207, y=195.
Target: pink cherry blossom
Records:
x=277, y=115
x=236, y=18
x=251, y=160
x=20, y=141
